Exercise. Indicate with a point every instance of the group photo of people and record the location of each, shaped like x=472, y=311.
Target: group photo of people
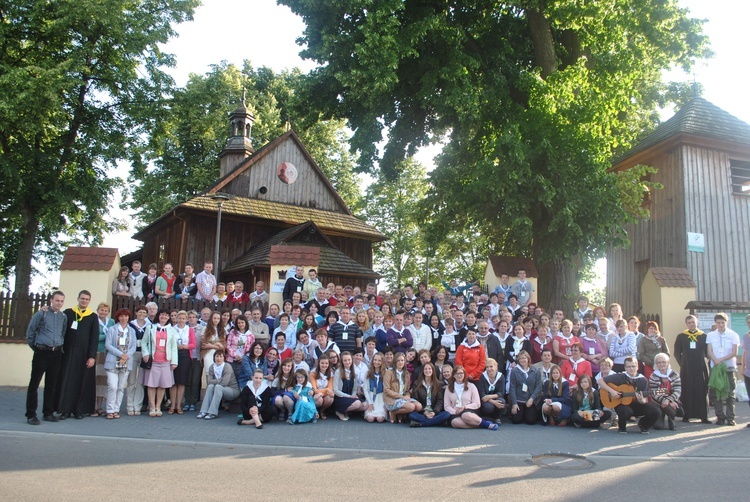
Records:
x=457, y=356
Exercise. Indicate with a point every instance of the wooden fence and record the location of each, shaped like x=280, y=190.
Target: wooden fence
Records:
x=16, y=311
x=126, y=302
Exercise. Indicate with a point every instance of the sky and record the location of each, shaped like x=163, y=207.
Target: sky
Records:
x=268, y=36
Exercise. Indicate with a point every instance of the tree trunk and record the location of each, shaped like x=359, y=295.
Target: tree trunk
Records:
x=559, y=284
x=21, y=308
x=25, y=251
x=541, y=39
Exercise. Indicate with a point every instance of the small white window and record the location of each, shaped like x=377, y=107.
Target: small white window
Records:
x=740, y=176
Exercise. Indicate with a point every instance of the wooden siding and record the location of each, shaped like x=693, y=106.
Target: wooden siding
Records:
x=722, y=273
x=697, y=197
x=310, y=189
x=659, y=242
x=237, y=237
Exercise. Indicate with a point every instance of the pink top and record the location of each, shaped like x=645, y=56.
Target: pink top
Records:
x=160, y=354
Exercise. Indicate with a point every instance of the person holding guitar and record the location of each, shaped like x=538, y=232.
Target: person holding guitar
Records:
x=627, y=393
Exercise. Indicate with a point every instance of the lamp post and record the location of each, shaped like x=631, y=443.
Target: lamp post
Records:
x=220, y=199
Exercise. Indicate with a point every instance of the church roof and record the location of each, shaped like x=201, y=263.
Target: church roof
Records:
x=331, y=259
x=329, y=221
x=698, y=117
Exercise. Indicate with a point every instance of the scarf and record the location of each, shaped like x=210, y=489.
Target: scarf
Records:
x=80, y=315
x=219, y=370
x=663, y=375
x=492, y=382
x=693, y=336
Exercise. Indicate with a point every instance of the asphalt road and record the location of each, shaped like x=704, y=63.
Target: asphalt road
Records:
x=174, y=457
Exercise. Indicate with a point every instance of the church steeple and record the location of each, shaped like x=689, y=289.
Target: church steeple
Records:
x=239, y=144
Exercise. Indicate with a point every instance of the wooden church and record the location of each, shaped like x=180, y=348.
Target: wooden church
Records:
x=700, y=221
x=277, y=196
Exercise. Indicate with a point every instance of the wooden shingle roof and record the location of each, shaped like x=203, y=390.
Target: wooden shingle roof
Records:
x=332, y=261
x=328, y=221
x=88, y=258
x=698, y=117
x=670, y=277
x=512, y=264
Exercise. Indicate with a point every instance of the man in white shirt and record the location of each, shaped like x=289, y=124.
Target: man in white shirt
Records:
x=523, y=289
x=135, y=280
x=722, y=345
x=206, y=282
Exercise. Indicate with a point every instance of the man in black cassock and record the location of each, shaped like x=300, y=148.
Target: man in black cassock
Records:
x=77, y=382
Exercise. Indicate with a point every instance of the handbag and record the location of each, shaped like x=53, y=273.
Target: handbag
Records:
x=147, y=365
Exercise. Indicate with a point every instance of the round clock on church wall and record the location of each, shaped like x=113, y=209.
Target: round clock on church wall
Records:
x=287, y=172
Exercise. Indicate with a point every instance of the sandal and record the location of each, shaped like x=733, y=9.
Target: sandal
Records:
x=152, y=413
x=131, y=413
x=179, y=412
x=116, y=415
x=137, y=413
x=110, y=416
x=159, y=413
x=170, y=412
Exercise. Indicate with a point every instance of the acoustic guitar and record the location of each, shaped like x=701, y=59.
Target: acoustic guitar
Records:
x=627, y=395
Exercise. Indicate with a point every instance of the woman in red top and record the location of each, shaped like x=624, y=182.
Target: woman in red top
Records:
x=576, y=366
x=470, y=354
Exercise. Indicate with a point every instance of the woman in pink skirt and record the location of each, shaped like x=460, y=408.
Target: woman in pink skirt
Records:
x=159, y=343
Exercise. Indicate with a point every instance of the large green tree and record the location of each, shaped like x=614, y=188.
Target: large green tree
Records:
x=81, y=82
x=533, y=99
x=393, y=208
x=182, y=158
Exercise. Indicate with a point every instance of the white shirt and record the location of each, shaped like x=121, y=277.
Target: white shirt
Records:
x=722, y=343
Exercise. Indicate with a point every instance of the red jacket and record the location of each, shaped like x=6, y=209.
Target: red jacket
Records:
x=473, y=359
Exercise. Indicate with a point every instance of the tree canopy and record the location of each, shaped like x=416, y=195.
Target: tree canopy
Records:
x=182, y=158
x=533, y=99
x=81, y=83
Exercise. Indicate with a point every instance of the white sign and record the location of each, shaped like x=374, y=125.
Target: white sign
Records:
x=705, y=321
x=696, y=242
x=277, y=286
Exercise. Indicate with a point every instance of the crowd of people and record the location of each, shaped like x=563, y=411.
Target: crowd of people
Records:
x=459, y=357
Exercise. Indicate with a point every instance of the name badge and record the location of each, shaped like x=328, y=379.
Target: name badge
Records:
x=592, y=351
x=453, y=347
x=138, y=343
x=123, y=340
x=74, y=325
x=693, y=345
x=345, y=335
x=567, y=350
x=572, y=377
x=523, y=294
x=524, y=388
x=162, y=343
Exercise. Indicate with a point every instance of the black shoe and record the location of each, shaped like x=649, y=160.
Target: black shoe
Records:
x=644, y=431
x=705, y=421
x=414, y=423
x=239, y=422
x=686, y=420
x=731, y=422
x=670, y=422
x=719, y=421
x=33, y=421
x=78, y=416
x=50, y=418
x=63, y=416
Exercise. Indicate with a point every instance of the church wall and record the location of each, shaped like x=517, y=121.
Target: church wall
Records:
x=309, y=190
